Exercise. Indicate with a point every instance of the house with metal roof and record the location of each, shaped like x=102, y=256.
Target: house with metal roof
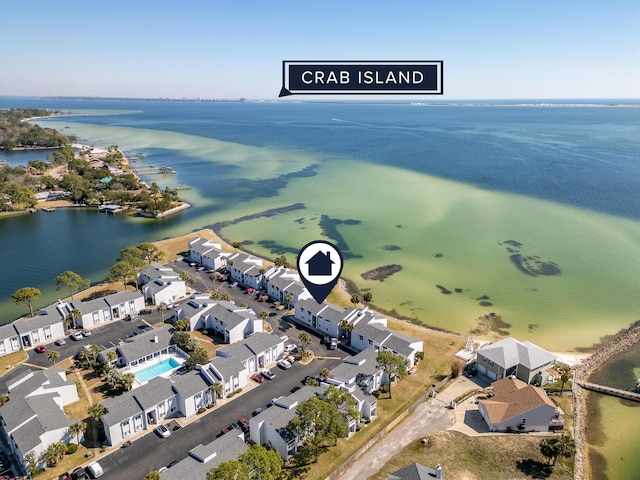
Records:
x=34, y=418
x=203, y=458
x=518, y=406
x=511, y=357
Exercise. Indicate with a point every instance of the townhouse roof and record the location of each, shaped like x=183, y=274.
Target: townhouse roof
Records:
x=120, y=408
x=144, y=344
x=156, y=270
x=334, y=313
x=121, y=297
x=295, y=288
x=261, y=341
x=415, y=471
x=7, y=331
x=279, y=417
x=49, y=316
x=227, y=366
x=230, y=318
x=281, y=281
x=364, y=363
x=203, y=458
x=189, y=383
x=311, y=305
x=203, y=245
x=510, y=352
x=371, y=331
x=156, y=390
x=399, y=343
x=513, y=397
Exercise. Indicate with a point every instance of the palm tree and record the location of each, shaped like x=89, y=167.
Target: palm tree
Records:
x=237, y=245
x=226, y=296
x=367, y=297
x=112, y=356
x=54, y=453
x=218, y=389
x=565, y=376
x=288, y=298
x=162, y=308
x=75, y=314
x=113, y=376
x=4, y=398
x=325, y=373
x=264, y=315
x=355, y=299
x=306, y=339
x=346, y=327
x=53, y=356
x=192, y=344
x=126, y=381
x=96, y=411
x=215, y=295
x=77, y=429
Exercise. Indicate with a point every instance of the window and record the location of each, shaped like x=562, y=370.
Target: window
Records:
x=137, y=423
x=96, y=317
x=47, y=333
x=361, y=338
x=15, y=344
x=3, y=348
x=126, y=428
x=35, y=336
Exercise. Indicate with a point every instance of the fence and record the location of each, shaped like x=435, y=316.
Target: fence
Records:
x=378, y=436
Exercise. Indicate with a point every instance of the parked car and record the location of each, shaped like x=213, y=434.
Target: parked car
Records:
x=284, y=364
x=64, y=476
x=41, y=349
x=76, y=336
x=290, y=347
x=257, y=411
x=162, y=431
x=95, y=470
x=61, y=341
x=234, y=426
x=234, y=284
x=333, y=343
x=295, y=389
x=257, y=377
x=79, y=474
x=268, y=374
x=86, y=333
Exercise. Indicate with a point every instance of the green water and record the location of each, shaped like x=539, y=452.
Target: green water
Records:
x=613, y=432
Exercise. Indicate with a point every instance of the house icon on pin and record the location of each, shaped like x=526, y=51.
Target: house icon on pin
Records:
x=320, y=264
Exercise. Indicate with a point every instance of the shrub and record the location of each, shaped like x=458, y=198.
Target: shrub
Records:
x=201, y=410
x=237, y=390
x=205, y=332
x=231, y=394
x=211, y=405
x=88, y=454
x=103, y=448
x=72, y=448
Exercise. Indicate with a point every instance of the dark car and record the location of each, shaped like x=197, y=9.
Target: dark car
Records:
x=64, y=476
x=79, y=474
x=257, y=411
x=234, y=425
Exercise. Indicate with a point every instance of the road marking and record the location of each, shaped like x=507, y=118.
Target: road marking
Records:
x=32, y=365
x=144, y=321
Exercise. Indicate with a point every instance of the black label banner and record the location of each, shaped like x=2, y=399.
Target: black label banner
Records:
x=366, y=78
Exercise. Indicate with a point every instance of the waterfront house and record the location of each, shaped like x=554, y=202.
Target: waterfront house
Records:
x=203, y=458
x=34, y=417
x=519, y=406
x=9, y=339
x=45, y=327
x=525, y=360
x=207, y=253
x=161, y=284
x=281, y=282
x=325, y=317
x=112, y=307
x=246, y=270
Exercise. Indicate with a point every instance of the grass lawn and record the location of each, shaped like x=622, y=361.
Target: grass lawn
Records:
x=504, y=457
x=68, y=463
x=7, y=362
x=172, y=247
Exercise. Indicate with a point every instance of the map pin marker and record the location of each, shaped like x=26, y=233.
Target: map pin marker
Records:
x=319, y=266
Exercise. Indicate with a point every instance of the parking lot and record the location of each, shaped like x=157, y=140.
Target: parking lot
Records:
x=150, y=451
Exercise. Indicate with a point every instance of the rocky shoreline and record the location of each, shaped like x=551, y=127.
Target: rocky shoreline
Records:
x=624, y=340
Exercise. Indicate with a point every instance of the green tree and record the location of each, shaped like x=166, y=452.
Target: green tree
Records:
x=26, y=295
x=192, y=344
x=96, y=411
x=4, y=398
x=318, y=423
x=150, y=253
x=347, y=327
x=342, y=400
x=237, y=245
x=393, y=365
x=367, y=297
x=77, y=429
x=121, y=272
x=112, y=377
x=182, y=325
x=325, y=373
x=153, y=475
x=186, y=278
x=72, y=281
x=112, y=356
x=263, y=464
x=565, y=376
x=54, y=453
x=126, y=381
x=162, y=308
x=306, y=340
x=198, y=357
x=53, y=355
x=288, y=298
x=218, y=389
x=264, y=315
x=554, y=447
x=355, y=299
x=231, y=470
x=31, y=463
x=282, y=261
x=181, y=339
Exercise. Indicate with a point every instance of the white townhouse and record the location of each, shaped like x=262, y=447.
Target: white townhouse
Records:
x=203, y=458
x=45, y=327
x=161, y=284
x=229, y=320
x=246, y=270
x=139, y=409
x=234, y=363
x=208, y=254
x=325, y=317
x=269, y=428
x=9, y=339
x=360, y=375
x=34, y=417
x=192, y=392
x=372, y=332
x=281, y=282
x=112, y=307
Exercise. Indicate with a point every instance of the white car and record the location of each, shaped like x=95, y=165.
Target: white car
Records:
x=284, y=364
x=268, y=374
x=290, y=347
x=86, y=333
x=163, y=431
x=77, y=336
x=61, y=341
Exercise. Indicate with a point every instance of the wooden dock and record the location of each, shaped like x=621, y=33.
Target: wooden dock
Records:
x=616, y=392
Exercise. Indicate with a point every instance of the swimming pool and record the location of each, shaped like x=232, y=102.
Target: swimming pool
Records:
x=156, y=370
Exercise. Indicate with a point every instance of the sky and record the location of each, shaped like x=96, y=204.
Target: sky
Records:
x=222, y=49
